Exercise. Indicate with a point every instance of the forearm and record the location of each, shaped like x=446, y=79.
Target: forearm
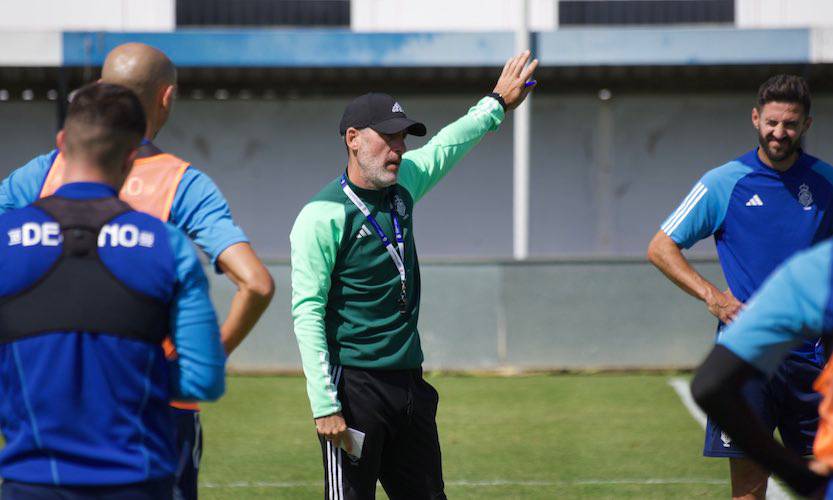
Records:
x=666, y=256
x=422, y=168
x=717, y=389
x=308, y=315
x=255, y=288
x=246, y=309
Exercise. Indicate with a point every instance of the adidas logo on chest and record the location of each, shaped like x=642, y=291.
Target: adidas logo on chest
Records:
x=804, y=197
x=755, y=201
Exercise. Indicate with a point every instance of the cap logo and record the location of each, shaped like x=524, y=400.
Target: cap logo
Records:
x=397, y=108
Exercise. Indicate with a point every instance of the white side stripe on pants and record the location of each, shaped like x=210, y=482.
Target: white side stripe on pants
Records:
x=334, y=478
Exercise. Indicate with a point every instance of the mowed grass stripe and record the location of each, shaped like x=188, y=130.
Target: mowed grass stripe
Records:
x=483, y=484
x=574, y=436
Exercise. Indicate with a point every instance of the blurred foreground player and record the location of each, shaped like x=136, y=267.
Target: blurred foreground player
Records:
x=173, y=191
x=761, y=208
x=793, y=306
x=356, y=291
x=90, y=288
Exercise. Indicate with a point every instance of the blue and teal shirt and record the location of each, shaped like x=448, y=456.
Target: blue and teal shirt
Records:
x=759, y=217
x=795, y=304
x=88, y=408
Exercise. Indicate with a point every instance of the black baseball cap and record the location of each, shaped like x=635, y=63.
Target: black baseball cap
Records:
x=380, y=112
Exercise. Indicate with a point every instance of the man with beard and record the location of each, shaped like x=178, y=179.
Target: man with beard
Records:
x=761, y=208
x=356, y=293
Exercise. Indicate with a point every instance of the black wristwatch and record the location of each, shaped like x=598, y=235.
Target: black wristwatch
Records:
x=499, y=99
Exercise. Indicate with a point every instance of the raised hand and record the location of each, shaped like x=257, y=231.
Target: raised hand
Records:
x=512, y=83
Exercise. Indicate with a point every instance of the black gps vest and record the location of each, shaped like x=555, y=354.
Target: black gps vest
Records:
x=78, y=293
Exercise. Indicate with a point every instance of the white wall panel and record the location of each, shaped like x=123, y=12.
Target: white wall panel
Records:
x=63, y=15
x=33, y=48
x=783, y=13
x=444, y=15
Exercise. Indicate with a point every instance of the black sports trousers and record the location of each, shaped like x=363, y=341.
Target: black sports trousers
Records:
x=397, y=410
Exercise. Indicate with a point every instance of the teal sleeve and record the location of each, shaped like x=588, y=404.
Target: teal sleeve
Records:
x=314, y=240
x=422, y=168
x=198, y=372
x=23, y=186
x=201, y=210
x=788, y=308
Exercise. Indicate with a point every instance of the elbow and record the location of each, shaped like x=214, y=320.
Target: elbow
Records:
x=211, y=387
x=216, y=390
x=260, y=285
x=654, y=251
x=207, y=383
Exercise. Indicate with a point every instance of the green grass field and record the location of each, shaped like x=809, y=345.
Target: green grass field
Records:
x=544, y=436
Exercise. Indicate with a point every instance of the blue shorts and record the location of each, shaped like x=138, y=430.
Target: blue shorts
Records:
x=189, y=453
x=787, y=402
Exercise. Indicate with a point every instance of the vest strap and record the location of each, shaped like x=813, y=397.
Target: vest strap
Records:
x=79, y=293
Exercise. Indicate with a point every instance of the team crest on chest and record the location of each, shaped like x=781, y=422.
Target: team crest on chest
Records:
x=400, y=207
x=805, y=197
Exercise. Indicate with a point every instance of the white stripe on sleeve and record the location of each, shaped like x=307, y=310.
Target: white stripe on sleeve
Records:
x=684, y=209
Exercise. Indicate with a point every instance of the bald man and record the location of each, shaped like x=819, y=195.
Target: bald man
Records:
x=174, y=191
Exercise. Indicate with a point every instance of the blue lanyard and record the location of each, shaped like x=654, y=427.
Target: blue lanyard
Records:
x=397, y=254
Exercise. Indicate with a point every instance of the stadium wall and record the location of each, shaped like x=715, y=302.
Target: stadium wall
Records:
x=593, y=194
x=565, y=315
x=597, y=195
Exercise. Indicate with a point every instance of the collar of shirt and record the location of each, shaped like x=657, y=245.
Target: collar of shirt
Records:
x=753, y=160
x=374, y=196
x=86, y=191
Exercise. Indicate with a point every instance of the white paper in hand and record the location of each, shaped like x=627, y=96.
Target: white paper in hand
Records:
x=356, y=442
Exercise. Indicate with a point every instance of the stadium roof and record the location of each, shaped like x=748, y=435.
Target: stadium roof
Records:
x=336, y=60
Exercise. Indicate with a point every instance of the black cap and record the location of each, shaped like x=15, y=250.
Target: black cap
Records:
x=380, y=112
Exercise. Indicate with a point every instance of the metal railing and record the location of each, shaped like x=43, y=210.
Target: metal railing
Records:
x=206, y=13
x=636, y=12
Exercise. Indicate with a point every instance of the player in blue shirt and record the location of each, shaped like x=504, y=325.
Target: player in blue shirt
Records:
x=90, y=288
x=196, y=206
x=761, y=208
x=794, y=306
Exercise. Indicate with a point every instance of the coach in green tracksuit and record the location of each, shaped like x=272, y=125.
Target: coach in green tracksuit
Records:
x=356, y=290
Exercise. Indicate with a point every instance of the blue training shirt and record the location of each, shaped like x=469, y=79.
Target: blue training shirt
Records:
x=759, y=217
x=199, y=208
x=88, y=408
x=793, y=305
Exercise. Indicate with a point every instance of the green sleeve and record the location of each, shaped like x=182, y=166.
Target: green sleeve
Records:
x=314, y=240
x=422, y=168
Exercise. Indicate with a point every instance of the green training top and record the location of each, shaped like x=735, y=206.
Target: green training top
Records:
x=345, y=286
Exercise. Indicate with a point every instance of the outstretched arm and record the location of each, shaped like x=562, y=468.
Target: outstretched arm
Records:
x=422, y=168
